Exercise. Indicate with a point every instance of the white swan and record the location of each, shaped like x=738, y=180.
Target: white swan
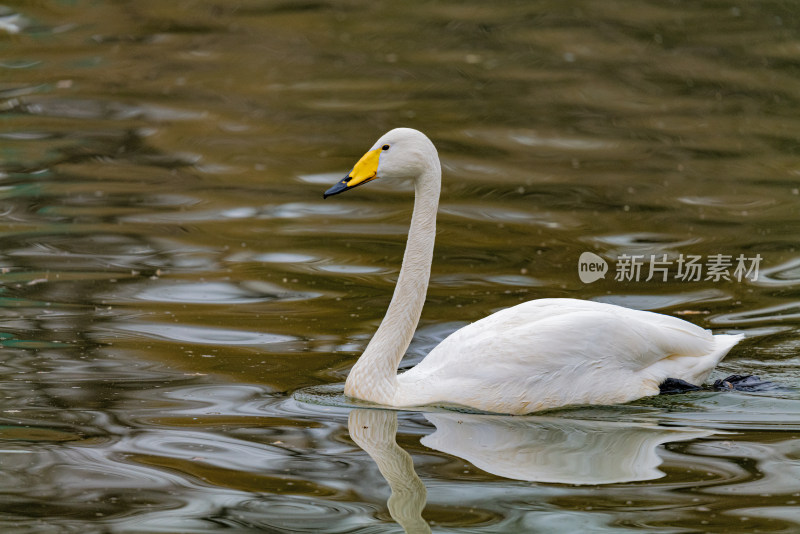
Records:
x=537, y=355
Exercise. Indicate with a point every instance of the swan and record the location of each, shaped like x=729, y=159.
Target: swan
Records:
x=537, y=355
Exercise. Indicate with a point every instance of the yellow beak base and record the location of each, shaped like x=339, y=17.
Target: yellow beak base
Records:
x=365, y=171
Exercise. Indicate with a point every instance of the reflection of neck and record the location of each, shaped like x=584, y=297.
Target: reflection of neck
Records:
x=374, y=431
x=374, y=377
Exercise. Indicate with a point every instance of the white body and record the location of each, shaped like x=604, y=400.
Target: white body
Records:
x=557, y=352
x=537, y=355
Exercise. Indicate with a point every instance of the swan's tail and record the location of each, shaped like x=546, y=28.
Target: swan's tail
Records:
x=723, y=343
x=706, y=363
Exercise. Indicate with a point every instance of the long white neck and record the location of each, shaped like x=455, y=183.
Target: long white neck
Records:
x=374, y=376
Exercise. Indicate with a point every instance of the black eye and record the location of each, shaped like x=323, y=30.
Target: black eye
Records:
x=385, y=147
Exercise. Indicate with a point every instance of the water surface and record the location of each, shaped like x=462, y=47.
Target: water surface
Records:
x=171, y=276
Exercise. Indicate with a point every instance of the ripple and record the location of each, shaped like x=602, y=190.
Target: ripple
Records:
x=786, y=274
x=761, y=316
x=213, y=399
x=241, y=212
x=74, y=472
x=26, y=136
x=775, y=460
x=291, y=210
x=203, y=335
x=360, y=105
x=659, y=302
x=728, y=202
x=225, y=452
x=29, y=433
x=514, y=280
x=326, y=178
x=734, y=410
x=329, y=395
x=11, y=22
x=89, y=484
x=302, y=210
x=508, y=280
x=351, y=269
x=372, y=229
x=651, y=242
x=783, y=512
x=221, y=293
x=533, y=138
x=502, y=214
x=295, y=513
x=85, y=108
x=284, y=257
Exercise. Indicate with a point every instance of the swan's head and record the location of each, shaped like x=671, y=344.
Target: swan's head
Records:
x=400, y=153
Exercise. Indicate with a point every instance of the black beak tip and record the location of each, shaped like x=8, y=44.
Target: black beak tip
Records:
x=336, y=189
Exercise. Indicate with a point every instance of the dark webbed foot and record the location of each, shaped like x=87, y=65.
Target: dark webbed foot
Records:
x=676, y=385
x=745, y=383
x=750, y=383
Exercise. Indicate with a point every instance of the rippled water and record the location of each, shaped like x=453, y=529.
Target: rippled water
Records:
x=179, y=306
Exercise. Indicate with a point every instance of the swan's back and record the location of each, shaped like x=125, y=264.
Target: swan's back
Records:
x=553, y=352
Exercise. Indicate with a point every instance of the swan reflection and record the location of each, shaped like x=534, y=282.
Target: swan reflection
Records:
x=534, y=449
x=551, y=449
x=374, y=431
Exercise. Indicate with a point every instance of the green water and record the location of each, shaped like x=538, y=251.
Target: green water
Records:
x=179, y=306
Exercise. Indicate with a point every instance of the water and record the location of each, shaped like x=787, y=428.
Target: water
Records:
x=180, y=306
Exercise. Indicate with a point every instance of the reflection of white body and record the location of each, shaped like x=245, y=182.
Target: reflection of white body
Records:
x=535, y=449
x=537, y=355
x=549, y=449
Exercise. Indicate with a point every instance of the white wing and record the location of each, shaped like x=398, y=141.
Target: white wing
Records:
x=553, y=352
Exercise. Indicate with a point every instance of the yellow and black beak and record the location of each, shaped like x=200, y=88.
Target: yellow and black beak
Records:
x=365, y=171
